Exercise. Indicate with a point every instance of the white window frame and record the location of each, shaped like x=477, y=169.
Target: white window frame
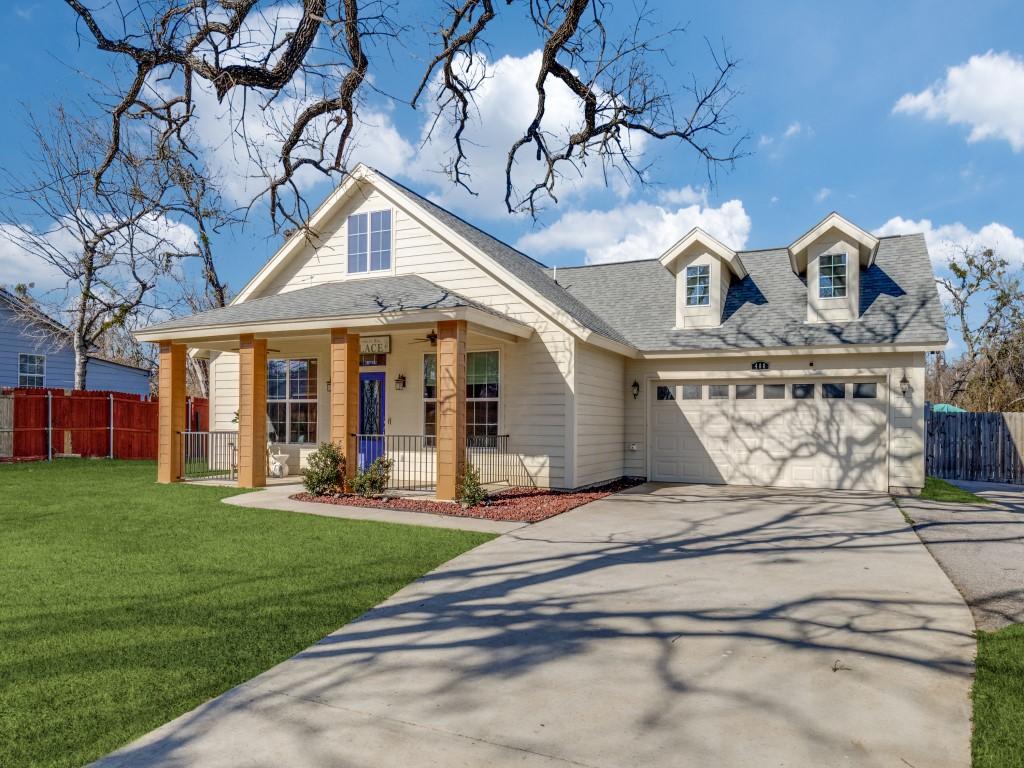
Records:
x=425, y=399
x=697, y=276
x=21, y=383
x=288, y=400
x=390, y=269
x=845, y=273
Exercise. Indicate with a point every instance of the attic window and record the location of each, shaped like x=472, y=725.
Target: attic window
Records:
x=369, y=242
x=832, y=276
x=698, y=286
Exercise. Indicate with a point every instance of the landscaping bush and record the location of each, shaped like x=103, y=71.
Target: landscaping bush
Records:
x=325, y=470
x=469, y=492
x=373, y=481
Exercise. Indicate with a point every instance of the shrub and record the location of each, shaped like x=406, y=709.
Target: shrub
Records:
x=325, y=470
x=373, y=481
x=469, y=491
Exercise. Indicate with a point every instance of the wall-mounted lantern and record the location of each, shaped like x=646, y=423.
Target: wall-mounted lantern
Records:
x=400, y=382
x=904, y=385
x=636, y=389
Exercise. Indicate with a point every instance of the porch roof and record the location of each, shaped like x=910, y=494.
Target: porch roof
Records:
x=369, y=302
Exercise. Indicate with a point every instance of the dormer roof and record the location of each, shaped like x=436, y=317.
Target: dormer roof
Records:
x=867, y=243
x=697, y=238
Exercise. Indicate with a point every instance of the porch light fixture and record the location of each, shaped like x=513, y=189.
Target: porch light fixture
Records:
x=904, y=385
x=636, y=389
x=400, y=381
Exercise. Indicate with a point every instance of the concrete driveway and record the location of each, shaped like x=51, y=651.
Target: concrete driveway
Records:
x=981, y=547
x=668, y=626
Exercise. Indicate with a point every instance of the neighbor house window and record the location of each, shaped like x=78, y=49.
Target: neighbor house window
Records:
x=31, y=370
x=482, y=397
x=698, y=286
x=369, y=242
x=291, y=400
x=832, y=276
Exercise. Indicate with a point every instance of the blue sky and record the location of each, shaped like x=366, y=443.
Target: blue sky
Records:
x=882, y=111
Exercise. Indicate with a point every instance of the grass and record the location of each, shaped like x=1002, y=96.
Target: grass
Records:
x=936, y=489
x=124, y=604
x=998, y=740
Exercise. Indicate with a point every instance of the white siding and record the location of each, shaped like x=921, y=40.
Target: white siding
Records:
x=536, y=389
x=600, y=414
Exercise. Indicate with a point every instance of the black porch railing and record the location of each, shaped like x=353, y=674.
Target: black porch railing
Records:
x=414, y=460
x=209, y=455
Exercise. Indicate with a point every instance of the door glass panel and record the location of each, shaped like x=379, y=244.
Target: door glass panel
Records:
x=691, y=391
x=370, y=410
x=666, y=393
x=746, y=391
x=718, y=391
x=833, y=391
x=774, y=391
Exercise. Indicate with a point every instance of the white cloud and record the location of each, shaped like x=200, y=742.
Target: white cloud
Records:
x=822, y=195
x=986, y=93
x=636, y=231
x=774, y=199
x=793, y=129
x=947, y=240
x=20, y=266
x=504, y=104
x=683, y=196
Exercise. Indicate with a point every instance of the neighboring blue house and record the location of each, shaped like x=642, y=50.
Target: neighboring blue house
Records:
x=31, y=359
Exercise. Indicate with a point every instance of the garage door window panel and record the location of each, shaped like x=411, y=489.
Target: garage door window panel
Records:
x=865, y=390
x=693, y=392
x=833, y=391
x=746, y=391
x=718, y=391
x=774, y=391
x=802, y=391
x=665, y=393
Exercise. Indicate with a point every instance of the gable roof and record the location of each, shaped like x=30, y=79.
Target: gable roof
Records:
x=698, y=237
x=899, y=303
x=347, y=299
x=867, y=243
x=532, y=274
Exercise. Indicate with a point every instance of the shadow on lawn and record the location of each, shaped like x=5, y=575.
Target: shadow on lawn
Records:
x=532, y=600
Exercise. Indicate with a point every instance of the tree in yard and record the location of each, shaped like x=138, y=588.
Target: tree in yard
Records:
x=323, y=66
x=986, y=307
x=109, y=239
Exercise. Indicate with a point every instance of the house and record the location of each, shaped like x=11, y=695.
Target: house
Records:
x=402, y=328
x=35, y=351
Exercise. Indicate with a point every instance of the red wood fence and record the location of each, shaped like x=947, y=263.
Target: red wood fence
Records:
x=110, y=424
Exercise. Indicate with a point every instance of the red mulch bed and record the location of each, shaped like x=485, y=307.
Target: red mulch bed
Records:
x=519, y=505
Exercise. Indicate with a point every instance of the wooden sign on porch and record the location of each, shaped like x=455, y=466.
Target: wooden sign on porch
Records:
x=375, y=345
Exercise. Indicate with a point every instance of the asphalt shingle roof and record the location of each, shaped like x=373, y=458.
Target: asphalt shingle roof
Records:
x=529, y=270
x=352, y=298
x=899, y=303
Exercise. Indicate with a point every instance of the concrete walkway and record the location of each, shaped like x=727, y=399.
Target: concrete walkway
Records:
x=981, y=547
x=277, y=497
x=666, y=626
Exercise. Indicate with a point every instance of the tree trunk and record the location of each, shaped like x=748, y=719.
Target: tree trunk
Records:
x=81, y=362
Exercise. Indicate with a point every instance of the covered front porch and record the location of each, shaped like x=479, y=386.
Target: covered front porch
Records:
x=423, y=386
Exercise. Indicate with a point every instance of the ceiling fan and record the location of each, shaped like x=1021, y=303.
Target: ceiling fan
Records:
x=431, y=337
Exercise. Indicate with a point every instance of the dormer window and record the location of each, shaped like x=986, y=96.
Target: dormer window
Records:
x=698, y=286
x=369, y=242
x=832, y=276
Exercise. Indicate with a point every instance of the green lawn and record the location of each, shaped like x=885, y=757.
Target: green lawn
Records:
x=998, y=740
x=124, y=603
x=936, y=489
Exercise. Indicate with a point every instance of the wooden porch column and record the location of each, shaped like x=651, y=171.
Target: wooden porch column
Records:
x=171, y=411
x=345, y=395
x=252, y=412
x=451, y=406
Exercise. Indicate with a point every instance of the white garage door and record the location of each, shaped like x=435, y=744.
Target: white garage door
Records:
x=793, y=434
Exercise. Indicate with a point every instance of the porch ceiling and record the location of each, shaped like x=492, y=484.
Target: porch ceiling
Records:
x=369, y=303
